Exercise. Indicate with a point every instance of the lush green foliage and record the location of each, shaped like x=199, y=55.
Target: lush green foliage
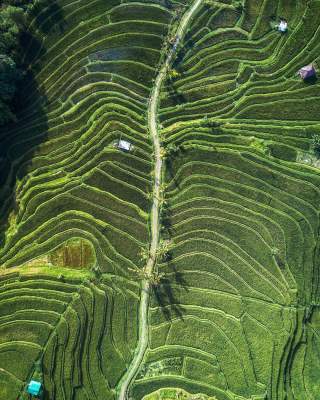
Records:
x=236, y=313
x=68, y=329
x=240, y=292
x=12, y=25
x=90, y=71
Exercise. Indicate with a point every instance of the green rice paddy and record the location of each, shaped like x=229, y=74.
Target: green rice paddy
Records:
x=236, y=313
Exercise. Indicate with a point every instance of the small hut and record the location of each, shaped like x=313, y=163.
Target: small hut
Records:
x=308, y=72
x=124, y=145
x=283, y=26
x=35, y=389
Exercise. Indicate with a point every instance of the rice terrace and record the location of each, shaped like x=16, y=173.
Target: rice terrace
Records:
x=160, y=199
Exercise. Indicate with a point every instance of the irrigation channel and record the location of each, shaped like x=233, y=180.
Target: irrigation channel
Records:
x=155, y=211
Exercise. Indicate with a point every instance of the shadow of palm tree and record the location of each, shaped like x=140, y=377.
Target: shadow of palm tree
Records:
x=171, y=169
x=167, y=296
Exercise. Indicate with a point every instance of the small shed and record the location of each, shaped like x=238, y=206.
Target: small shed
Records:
x=308, y=72
x=283, y=26
x=124, y=145
x=34, y=388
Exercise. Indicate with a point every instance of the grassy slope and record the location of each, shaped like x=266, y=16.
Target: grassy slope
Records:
x=91, y=69
x=235, y=315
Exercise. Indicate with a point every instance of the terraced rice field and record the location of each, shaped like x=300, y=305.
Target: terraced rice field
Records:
x=234, y=313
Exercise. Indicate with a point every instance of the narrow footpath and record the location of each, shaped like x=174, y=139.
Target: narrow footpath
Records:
x=155, y=211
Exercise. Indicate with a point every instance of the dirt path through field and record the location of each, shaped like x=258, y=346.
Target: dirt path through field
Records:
x=155, y=211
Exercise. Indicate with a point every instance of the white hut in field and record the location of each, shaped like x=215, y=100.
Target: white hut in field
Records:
x=124, y=145
x=283, y=26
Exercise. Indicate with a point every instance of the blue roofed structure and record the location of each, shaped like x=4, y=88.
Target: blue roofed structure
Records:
x=308, y=72
x=34, y=388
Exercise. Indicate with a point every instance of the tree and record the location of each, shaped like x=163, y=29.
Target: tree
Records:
x=173, y=74
x=238, y=5
x=163, y=153
x=163, y=250
x=12, y=24
x=154, y=277
x=144, y=253
x=172, y=149
x=9, y=77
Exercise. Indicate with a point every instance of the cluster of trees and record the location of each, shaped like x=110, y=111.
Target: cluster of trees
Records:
x=12, y=23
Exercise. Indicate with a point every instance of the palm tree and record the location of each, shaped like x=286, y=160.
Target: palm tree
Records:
x=144, y=253
x=172, y=149
x=163, y=249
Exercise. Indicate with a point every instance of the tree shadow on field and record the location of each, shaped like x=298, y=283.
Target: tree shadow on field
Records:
x=48, y=17
x=167, y=298
x=175, y=95
x=20, y=140
x=188, y=44
x=172, y=165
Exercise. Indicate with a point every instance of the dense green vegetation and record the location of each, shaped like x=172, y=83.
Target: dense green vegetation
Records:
x=13, y=15
x=236, y=313
x=69, y=327
x=90, y=73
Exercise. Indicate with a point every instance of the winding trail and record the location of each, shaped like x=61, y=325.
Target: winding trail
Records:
x=155, y=211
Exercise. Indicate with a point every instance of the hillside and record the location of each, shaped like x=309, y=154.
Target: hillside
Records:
x=185, y=266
